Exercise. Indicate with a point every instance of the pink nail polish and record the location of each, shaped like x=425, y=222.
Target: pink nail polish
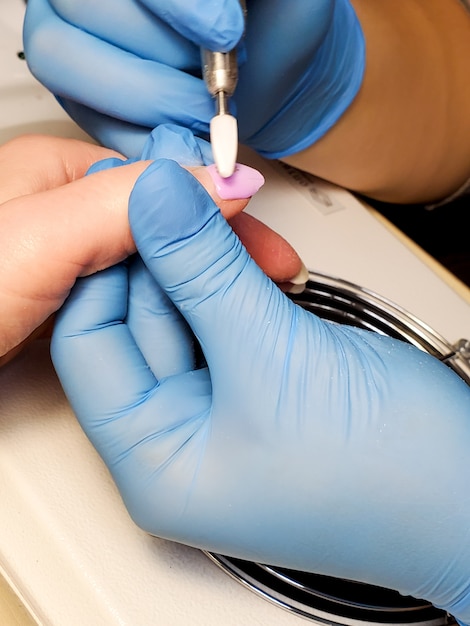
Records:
x=243, y=183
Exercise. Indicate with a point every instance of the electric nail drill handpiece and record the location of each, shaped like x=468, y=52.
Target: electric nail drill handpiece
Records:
x=220, y=73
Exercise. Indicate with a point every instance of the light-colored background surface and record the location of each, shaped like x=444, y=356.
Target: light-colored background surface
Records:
x=12, y=611
x=42, y=518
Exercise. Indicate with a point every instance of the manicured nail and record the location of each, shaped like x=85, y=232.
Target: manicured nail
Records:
x=244, y=182
x=294, y=290
x=297, y=284
x=301, y=277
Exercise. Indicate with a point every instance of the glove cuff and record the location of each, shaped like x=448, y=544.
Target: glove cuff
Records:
x=326, y=91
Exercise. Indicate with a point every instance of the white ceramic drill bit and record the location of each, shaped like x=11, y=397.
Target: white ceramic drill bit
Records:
x=224, y=140
x=220, y=73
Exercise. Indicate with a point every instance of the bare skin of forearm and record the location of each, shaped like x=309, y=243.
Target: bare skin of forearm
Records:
x=406, y=136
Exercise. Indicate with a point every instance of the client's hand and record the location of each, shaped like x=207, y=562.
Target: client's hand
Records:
x=56, y=225
x=295, y=441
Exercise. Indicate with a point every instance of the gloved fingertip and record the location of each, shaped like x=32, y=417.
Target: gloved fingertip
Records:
x=107, y=164
x=227, y=30
x=171, y=141
x=167, y=204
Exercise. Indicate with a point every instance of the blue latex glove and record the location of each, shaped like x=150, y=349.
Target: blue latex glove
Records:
x=122, y=70
x=303, y=443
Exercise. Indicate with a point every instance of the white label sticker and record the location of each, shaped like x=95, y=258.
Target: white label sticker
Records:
x=321, y=194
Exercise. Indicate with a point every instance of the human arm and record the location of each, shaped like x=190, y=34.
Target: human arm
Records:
x=393, y=124
x=406, y=137
x=302, y=443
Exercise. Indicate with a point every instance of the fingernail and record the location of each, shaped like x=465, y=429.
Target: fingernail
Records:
x=297, y=284
x=301, y=277
x=294, y=290
x=244, y=182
